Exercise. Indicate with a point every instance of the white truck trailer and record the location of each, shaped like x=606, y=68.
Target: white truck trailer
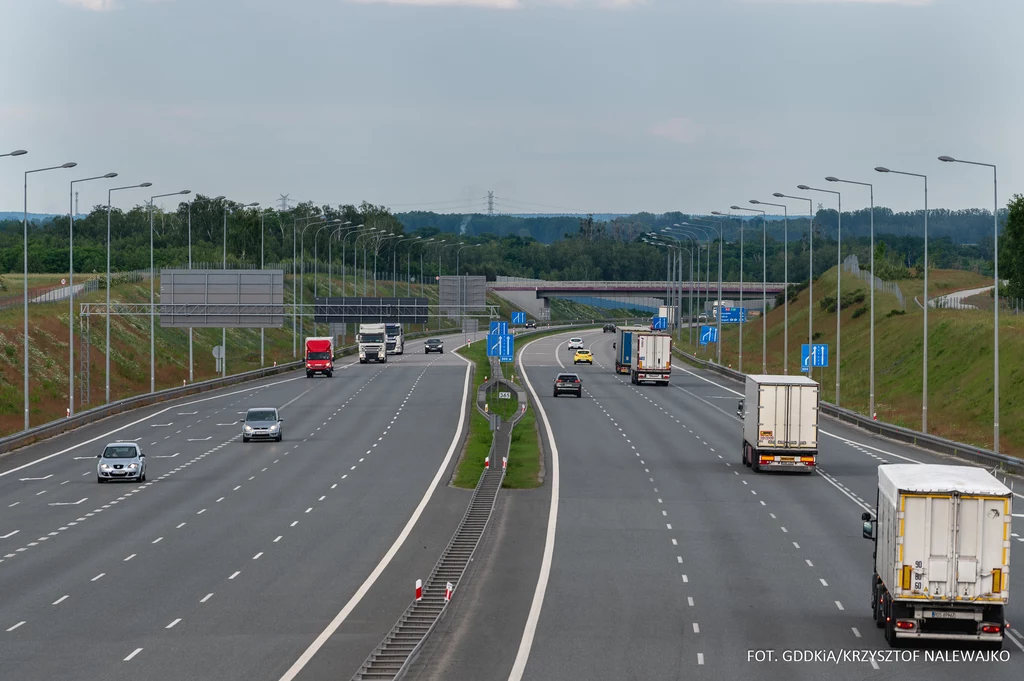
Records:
x=942, y=554
x=780, y=423
x=395, y=339
x=653, y=360
x=372, y=341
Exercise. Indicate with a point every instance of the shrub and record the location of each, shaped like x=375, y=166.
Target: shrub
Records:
x=895, y=313
x=860, y=311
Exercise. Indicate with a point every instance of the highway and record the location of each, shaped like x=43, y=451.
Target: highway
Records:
x=234, y=561
x=670, y=559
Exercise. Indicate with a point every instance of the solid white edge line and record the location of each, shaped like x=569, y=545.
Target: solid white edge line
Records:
x=136, y=422
x=530, y=630
x=364, y=588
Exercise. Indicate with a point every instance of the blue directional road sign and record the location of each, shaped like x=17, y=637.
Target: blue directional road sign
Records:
x=813, y=355
x=500, y=345
x=659, y=323
x=734, y=315
x=708, y=334
x=499, y=328
x=518, y=317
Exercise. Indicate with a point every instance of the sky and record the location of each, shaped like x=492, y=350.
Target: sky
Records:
x=610, y=106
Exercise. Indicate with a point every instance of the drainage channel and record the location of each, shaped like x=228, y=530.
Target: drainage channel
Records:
x=398, y=649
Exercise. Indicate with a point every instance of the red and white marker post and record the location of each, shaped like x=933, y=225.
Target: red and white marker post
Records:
x=487, y=463
x=419, y=589
x=504, y=463
x=448, y=592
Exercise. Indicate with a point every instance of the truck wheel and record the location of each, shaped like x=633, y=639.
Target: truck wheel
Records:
x=755, y=462
x=309, y=374
x=992, y=645
x=330, y=373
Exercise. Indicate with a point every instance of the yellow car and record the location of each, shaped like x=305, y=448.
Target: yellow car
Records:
x=583, y=356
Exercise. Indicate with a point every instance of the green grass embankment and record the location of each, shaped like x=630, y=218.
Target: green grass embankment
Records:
x=960, y=349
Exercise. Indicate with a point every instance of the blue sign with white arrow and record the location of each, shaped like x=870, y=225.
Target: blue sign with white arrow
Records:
x=659, y=323
x=708, y=334
x=500, y=345
x=813, y=356
x=499, y=327
x=518, y=317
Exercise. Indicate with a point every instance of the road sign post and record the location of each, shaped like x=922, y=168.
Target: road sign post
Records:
x=518, y=317
x=659, y=323
x=708, y=334
x=499, y=328
x=813, y=356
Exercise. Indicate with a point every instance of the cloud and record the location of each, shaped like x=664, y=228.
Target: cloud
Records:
x=910, y=3
x=495, y=4
x=682, y=130
x=93, y=5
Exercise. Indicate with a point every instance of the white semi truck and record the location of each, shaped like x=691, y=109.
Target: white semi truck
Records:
x=942, y=554
x=780, y=423
x=652, y=362
x=395, y=339
x=372, y=341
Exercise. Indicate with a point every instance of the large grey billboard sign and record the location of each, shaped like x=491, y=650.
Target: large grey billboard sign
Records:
x=248, y=299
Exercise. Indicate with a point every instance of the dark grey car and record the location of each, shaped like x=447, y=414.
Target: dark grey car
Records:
x=433, y=345
x=568, y=383
x=262, y=423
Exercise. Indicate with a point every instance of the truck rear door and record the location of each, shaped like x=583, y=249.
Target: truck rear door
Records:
x=981, y=546
x=802, y=420
x=924, y=553
x=626, y=348
x=771, y=416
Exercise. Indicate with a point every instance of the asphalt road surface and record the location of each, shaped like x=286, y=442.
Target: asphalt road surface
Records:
x=233, y=559
x=670, y=559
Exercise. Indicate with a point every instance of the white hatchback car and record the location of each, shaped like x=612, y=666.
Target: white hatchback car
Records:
x=575, y=344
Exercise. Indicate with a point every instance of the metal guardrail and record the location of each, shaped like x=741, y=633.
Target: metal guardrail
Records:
x=1007, y=465
x=653, y=285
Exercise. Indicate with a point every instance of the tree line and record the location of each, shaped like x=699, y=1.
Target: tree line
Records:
x=586, y=249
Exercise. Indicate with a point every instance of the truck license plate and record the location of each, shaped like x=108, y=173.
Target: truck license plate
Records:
x=789, y=458
x=940, y=614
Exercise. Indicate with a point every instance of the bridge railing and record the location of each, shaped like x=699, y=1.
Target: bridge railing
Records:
x=653, y=285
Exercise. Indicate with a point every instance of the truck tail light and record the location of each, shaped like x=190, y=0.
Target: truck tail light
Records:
x=991, y=629
x=997, y=580
x=807, y=459
x=766, y=459
x=905, y=624
x=905, y=577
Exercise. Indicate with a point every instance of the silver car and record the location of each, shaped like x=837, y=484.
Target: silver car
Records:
x=121, y=461
x=262, y=423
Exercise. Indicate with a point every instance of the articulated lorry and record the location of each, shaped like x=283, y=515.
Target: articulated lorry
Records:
x=395, y=339
x=780, y=423
x=941, y=554
x=653, y=358
x=372, y=340
x=319, y=356
x=625, y=347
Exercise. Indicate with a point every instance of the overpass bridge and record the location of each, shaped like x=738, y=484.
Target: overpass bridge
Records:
x=533, y=295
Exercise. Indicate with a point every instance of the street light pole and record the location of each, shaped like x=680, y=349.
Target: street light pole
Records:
x=71, y=288
x=152, y=299
x=871, y=304
x=924, y=373
x=25, y=228
x=743, y=309
x=810, y=271
x=107, y=359
x=785, y=285
x=995, y=261
x=839, y=273
x=718, y=314
x=764, y=285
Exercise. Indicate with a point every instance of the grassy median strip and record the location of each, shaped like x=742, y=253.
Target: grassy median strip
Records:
x=524, y=450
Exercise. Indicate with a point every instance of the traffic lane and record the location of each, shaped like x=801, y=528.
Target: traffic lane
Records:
x=725, y=540
x=34, y=514
x=193, y=559
x=493, y=599
x=610, y=605
x=328, y=555
x=102, y=429
x=221, y=469
x=805, y=508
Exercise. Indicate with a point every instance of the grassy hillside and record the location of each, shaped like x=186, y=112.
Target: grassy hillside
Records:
x=960, y=358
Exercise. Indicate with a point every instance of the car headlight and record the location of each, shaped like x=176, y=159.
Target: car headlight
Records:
x=104, y=467
x=132, y=466
x=248, y=429
x=273, y=428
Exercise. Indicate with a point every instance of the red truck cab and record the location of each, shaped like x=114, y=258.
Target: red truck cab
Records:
x=319, y=356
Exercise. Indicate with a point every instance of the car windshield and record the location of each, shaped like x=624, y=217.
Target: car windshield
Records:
x=567, y=378
x=372, y=338
x=434, y=341
x=575, y=340
x=262, y=415
x=125, y=452
x=318, y=355
x=583, y=352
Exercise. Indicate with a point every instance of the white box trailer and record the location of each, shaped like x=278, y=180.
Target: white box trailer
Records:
x=942, y=553
x=780, y=423
x=653, y=362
